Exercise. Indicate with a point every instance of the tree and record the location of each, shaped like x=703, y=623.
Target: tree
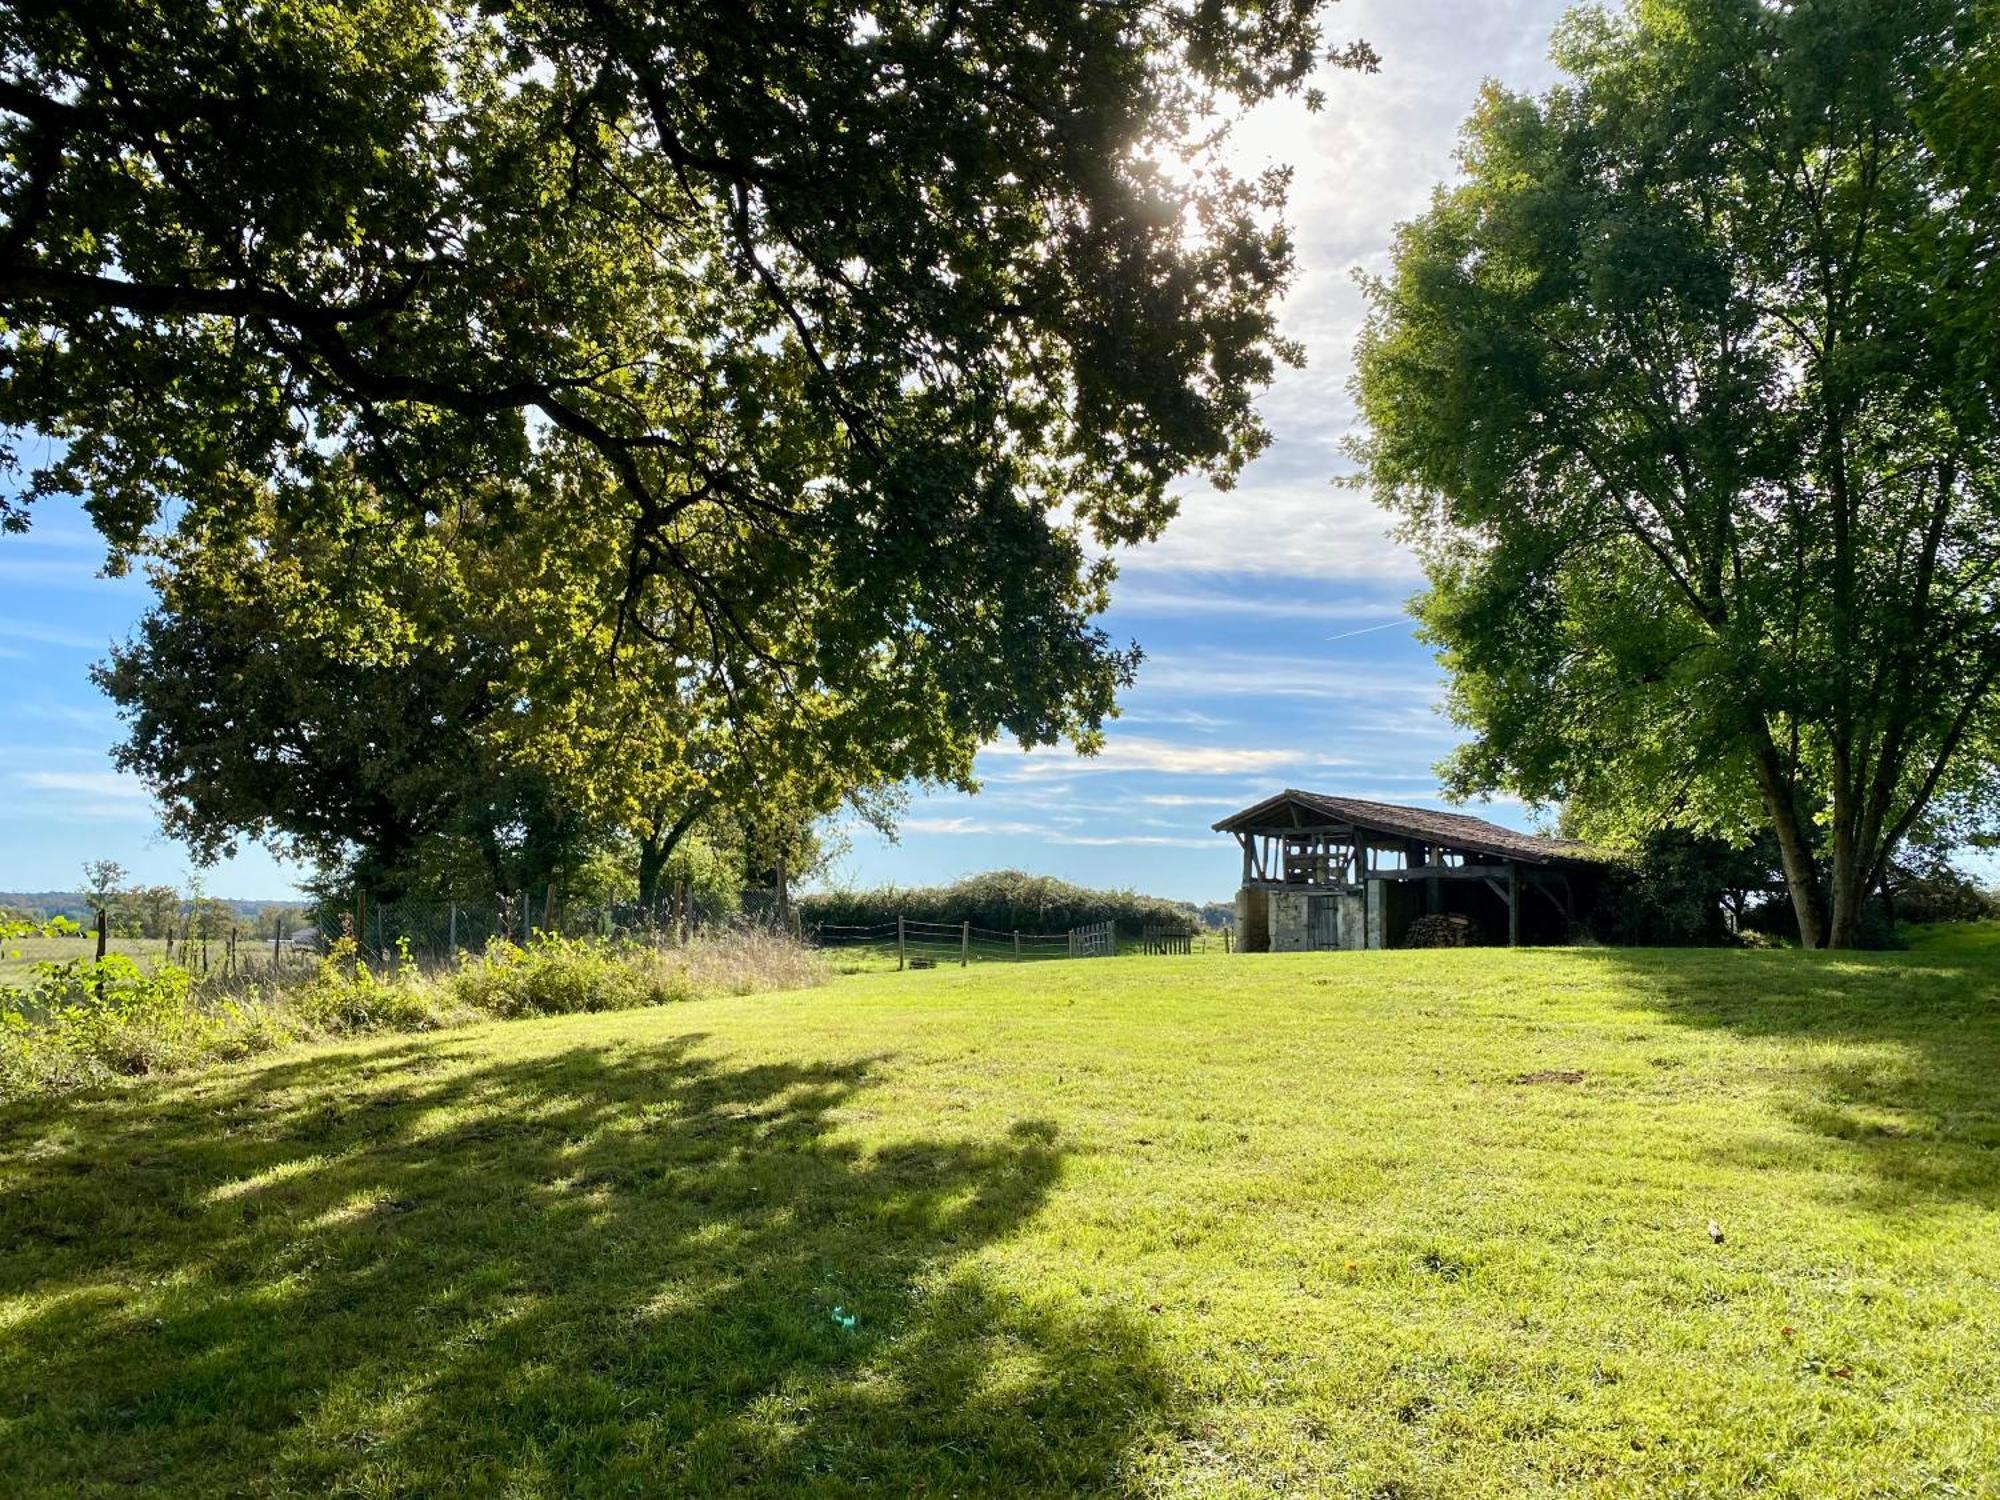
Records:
x=155, y=907
x=860, y=331
x=1686, y=397
x=434, y=706
x=103, y=886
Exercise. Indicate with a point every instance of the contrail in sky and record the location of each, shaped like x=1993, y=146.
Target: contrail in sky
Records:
x=1367, y=629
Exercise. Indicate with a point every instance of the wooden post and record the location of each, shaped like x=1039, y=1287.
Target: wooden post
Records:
x=1513, y=904
x=964, y=944
x=277, y=942
x=899, y=942
x=784, y=897
x=451, y=941
x=1017, y=942
x=103, y=931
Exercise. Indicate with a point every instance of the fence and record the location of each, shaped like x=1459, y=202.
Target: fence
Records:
x=435, y=931
x=923, y=945
x=1158, y=938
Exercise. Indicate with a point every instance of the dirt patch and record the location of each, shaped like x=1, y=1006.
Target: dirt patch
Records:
x=1551, y=1075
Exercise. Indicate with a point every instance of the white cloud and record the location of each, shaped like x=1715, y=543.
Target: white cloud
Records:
x=1189, y=717
x=1152, y=599
x=1135, y=753
x=1364, y=163
x=1236, y=672
x=963, y=825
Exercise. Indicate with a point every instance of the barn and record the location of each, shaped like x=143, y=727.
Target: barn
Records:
x=1324, y=872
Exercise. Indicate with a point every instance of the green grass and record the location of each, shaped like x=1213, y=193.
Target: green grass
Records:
x=1394, y=1224
x=1955, y=939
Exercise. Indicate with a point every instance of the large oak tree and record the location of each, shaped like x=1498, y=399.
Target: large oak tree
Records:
x=1687, y=395
x=859, y=328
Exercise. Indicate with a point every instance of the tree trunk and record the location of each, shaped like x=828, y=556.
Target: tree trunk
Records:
x=657, y=848
x=1801, y=875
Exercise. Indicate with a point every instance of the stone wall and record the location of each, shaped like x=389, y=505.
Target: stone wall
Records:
x=1253, y=927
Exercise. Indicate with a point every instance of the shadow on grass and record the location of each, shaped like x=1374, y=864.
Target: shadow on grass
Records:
x=629, y=1271
x=1900, y=1052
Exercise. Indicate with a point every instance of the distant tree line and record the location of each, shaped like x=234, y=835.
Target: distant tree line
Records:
x=136, y=910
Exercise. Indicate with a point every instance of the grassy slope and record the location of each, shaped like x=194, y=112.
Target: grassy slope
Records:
x=1224, y=1226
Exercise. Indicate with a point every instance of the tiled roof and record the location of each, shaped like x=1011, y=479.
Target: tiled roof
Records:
x=1453, y=830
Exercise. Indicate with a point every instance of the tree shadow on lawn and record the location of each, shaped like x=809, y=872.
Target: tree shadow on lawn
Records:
x=630, y=1270
x=1900, y=1052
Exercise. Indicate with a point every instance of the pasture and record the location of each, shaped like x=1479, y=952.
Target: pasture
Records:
x=1371, y=1224
x=19, y=956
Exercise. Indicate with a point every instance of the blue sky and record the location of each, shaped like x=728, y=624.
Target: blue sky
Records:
x=1277, y=654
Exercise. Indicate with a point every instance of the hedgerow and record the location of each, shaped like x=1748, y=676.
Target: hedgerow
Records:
x=1002, y=900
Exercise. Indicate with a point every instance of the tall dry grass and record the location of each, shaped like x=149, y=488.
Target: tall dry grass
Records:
x=82, y=1023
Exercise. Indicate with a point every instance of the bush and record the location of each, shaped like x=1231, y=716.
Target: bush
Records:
x=82, y=1021
x=1000, y=900
x=564, y=976
x=345, y=997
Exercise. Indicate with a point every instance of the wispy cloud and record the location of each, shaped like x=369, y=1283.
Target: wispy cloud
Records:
x=51, y=635
x=111, y=785
x=1189, y=717
x=965, y=825
x=1144, y=598
x=1235, y=673
x=1135, y=753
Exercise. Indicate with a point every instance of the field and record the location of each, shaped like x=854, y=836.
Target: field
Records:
x=19, y=956
x=1381, y=1225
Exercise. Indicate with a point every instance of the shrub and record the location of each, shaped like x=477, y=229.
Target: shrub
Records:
x=564, y=976
x=82, y=1021
x=345, y=997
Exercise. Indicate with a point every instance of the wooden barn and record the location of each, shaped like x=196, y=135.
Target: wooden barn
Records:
x=1339, y=872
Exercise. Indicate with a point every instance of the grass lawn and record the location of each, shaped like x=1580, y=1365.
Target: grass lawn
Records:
x=1387, y=1224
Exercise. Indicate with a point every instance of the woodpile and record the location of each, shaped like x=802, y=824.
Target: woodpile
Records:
x=1439, y=932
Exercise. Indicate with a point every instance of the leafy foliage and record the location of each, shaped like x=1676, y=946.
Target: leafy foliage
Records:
x=781, y=371
x=1686, y=397
x=1000, y=900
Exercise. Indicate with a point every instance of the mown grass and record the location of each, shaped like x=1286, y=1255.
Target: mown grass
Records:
x=1389, y=1224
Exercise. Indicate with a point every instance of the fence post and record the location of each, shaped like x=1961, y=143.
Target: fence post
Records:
x=277, y=942
x=103, y=931
x=899, y=942
x=1017, y=942
x=964, y=944
x=451, y=942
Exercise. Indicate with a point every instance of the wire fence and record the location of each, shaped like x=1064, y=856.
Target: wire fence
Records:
x=429, y=932
x=919, y=945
